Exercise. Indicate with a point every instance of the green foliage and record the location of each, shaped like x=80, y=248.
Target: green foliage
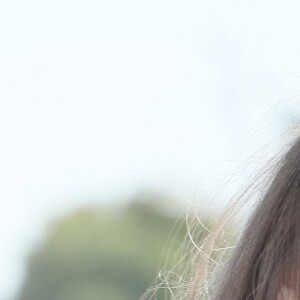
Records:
x=96, y=253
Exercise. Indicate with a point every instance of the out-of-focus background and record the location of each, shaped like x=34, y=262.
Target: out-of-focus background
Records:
x=112, y=115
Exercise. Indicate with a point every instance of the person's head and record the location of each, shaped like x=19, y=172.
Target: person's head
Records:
x=265, y=265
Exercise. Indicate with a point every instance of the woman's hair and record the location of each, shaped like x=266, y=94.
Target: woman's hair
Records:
x=264, y=264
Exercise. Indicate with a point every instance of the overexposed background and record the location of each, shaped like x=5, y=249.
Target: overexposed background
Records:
x=101, y=98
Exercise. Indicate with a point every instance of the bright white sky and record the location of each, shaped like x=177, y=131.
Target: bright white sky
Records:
x=100, y=98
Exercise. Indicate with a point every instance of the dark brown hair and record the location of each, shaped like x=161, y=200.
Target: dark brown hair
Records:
x=265, y=264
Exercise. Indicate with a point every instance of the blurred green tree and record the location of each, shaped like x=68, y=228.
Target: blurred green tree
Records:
x=96, y=253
